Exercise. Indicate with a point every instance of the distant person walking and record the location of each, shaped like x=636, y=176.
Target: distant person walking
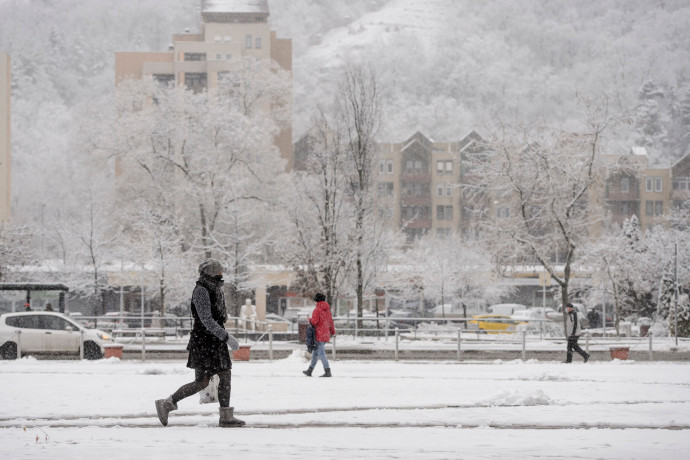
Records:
x=208, y=346
x=27, y=306
x=49, y=307
x=322, y=320
x=573, y=331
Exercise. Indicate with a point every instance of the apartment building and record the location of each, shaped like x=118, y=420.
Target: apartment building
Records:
x=645, y=192
x=5, y=153
x=418, y=184
x=230, y=30
x=422, y=187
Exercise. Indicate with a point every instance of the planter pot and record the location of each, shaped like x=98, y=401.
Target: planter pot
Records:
x=619, y=353
x=242, y=354
x=113, y=351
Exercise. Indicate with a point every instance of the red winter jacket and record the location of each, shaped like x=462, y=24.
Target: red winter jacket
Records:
x=322, y=321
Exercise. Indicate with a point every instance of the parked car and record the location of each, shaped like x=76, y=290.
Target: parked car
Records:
x=292, y=314
x=505, y=308
x=494, y=324
x=532, y=314
x=79, y=317
x=48, y=332
x=400, y=319
x=114, y=320
x=278, y=323
x=447, y=311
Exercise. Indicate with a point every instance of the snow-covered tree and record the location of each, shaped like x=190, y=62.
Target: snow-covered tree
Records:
x=319, y=211
x=623, y=270
x=358, y=106
x=14, y=251
x=542, y=185
x=452, y=271
x=209, y=159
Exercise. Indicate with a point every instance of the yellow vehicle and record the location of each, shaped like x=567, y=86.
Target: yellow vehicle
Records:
x=494, y=324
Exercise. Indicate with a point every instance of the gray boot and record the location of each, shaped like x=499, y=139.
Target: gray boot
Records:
x=308, y=371
x=227, y=420
x=164, y=407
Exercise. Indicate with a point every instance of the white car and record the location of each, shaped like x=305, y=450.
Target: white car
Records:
x=505, y=308
x=46, y=333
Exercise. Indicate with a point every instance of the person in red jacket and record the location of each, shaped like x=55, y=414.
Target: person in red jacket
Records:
x=322, y=321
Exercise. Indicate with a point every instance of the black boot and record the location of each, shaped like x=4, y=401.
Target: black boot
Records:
x=308, y=371
x=328, y=372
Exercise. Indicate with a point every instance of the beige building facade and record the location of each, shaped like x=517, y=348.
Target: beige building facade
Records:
x=230, y=31
x=5, y=151
x=418, y=184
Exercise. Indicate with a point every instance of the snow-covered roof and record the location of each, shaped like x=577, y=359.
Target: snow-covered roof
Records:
x=637, y=150
x=235, y=6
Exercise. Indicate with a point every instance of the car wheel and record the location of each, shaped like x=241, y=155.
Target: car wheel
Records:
x=9, y=350
x=92, y=351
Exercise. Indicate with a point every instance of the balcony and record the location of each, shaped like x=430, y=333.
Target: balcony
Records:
x=419, y=223
x=424, y=178
x=617, y=195
x=415, y=200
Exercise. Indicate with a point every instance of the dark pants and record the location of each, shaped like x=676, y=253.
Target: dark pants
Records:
x=572, y=345
x=201, y=379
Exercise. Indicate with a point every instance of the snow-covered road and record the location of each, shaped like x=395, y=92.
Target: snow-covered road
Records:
x=499, y=409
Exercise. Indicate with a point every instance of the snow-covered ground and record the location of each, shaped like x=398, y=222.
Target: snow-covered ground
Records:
x=433, y=410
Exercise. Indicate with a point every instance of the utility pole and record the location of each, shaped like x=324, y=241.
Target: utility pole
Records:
x=675, y=292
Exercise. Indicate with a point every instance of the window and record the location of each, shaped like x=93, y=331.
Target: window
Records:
x=681, y=183
x=194, y=56
x=385, y=189
x=248, y=41
x=409, y=166
x=257, y=43
x=654, y=184
x=449, y=190
x=228, y=56
x=195, y=81
x=382, y=166
x=389, y=166
x=653, y=208
x=216, y=38
x=444, y=166
x=502, y=212
x=24, y=321
x=164, y=79
x=625, y=185
x=444, y=212
x=417, y=166
x=228, y=39
x=219, y=57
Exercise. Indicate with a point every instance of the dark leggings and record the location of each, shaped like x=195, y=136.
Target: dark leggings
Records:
x=201, y=378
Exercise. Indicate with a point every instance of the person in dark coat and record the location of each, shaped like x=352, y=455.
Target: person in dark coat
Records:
x=208, y=346
x=573, y=330
x=322, y=321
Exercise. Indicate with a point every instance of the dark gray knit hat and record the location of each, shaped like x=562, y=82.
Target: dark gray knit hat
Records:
x=211, y=267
